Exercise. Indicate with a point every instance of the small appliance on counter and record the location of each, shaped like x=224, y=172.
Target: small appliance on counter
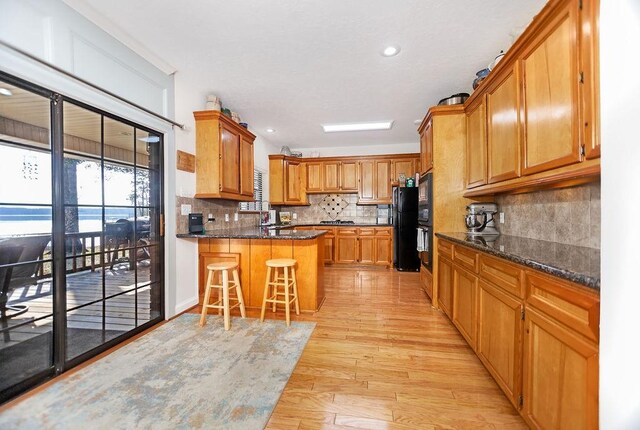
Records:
x=480, y=219
x=285, y=218
x=196, y=225
x=405, y=222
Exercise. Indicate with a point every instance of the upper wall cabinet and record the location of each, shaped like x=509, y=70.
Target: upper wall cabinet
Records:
x=426, y=146
x=476, y=144
x=375, y=182
x=287, y=181
x=551, y=79
x=503, y=128
x=541, y=107
x=224, y=158
x=332, y=176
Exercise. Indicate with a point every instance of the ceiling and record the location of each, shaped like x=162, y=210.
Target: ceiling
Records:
x=293, y=65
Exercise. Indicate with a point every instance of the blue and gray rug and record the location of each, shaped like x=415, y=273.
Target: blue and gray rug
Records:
x=179, y=376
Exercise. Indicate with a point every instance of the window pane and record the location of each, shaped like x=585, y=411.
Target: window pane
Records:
x=118, y=141
x=82, y=130
x=82, y=181
x=24, y=117
x=118, y=185
x=25, y=176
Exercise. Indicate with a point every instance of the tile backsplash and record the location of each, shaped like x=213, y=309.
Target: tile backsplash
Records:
x=335, y=206
x=217, y=208
x=567, y=215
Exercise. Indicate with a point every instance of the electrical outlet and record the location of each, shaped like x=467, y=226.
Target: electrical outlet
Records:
x=185, y=209
x=226, y=217
x=501, y=217
x=235, y=217
x=295, y=215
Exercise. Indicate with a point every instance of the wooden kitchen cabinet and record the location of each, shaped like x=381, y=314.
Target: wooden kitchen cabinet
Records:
x=383, y=247
x=314, y=177
x=246, y=167
x=363, y=246
x=366, y=249
x=287, y=181
x=476, y=171
x=367, y=181
x=329, y=244
x=346, y=245
x=407, y=167
x=503, y=127
x=331, y=173
x=549, y=66
x=224, y=158
x=500, y=326
x=426, y=147
x=560, y=376
x=445, y=286
x=383, y=182
x=465, y=286
x=375, y=182
x=349, y=176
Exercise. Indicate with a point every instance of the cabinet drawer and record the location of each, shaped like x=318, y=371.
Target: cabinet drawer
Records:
x=445, y=249
x=466, y=258
x=342, y=231
x=579, y=310
x=383, y=231
x=502, y=274
x=366, y=231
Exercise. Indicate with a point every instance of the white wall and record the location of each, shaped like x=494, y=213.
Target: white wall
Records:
x=620, y=293
x=191, y=97
x=339, y=151
x=55, y=33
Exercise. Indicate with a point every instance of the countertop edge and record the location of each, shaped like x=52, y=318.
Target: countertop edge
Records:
x=586, y=281
x=235, y=235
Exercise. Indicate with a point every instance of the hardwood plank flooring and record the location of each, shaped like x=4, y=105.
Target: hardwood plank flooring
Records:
x=382, y=358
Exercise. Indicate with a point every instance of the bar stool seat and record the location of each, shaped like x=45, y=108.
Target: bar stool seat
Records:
x=281, y=289
x=223, y=302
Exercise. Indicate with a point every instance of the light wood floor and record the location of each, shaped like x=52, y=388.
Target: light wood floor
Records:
x=382, y=358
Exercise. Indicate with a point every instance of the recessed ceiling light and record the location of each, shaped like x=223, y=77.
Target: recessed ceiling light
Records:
x=360, y=126
x=271, y=130
x=391, y=50
x=6, y=92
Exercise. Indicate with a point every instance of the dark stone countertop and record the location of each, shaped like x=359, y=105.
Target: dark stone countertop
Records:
x=329, y=225
x=578, y=264
x=256, y=233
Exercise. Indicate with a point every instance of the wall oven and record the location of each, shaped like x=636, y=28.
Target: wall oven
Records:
x=425, y=220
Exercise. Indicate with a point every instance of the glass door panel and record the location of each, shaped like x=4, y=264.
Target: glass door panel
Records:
x=26, y=290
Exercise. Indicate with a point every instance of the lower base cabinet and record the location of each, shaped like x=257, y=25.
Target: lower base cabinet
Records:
x=560, y=376
x=445, y=286
x=537, y=335
x=499, y=345
x=363, y=246
x=465, y=286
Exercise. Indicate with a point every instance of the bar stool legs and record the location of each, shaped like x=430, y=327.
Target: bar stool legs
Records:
x=281, y=288
x=223, y=302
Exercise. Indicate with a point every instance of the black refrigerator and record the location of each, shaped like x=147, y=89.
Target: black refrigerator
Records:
x=405, y=223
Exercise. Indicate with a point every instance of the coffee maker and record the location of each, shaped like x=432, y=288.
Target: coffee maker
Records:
x=480, y=219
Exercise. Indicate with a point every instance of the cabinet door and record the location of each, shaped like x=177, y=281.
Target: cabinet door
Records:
x=367, y=175
x=331, y=173
x=293, y=189
x=346, y=248
x=560, y=376
x=503, y=129
x=246, y=167
x=500, y=329
x=329, y=248
x=476, y=146
x=465, y=286
x=426, y=147
x=229, y=160
x=383, y=245
x=401, y=167
x=382, y=192
x=366, y=250
x=445, y=286
x=314, y=177
x=349, y=176
x=590, y=67
x=551, y=95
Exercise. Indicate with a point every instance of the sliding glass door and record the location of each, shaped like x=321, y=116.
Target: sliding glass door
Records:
x=80, y=232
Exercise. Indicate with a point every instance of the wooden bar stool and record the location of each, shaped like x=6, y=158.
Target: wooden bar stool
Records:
x=281, y=289
x=222, y=304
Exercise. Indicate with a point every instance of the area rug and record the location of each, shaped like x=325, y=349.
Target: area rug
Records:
x=179, y=376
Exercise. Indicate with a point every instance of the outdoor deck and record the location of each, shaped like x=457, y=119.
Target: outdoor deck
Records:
x=83, y=288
